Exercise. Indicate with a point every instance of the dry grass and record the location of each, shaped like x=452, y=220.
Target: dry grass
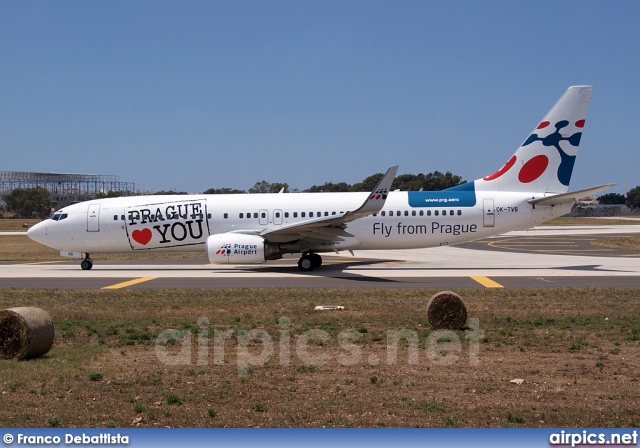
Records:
x=11, y=225
x=631, y=243
x=578, y=351
x=569, y=221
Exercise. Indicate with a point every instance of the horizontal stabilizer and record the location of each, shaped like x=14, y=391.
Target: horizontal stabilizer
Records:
x=572, y=196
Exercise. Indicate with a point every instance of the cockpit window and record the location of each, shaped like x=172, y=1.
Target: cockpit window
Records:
x=58, y=216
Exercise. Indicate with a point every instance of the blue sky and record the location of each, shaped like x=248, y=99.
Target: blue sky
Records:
x=198, y=94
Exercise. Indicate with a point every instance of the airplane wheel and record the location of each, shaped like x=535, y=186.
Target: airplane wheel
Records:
x=86, y=265
x=305, y=263
x=316, y=260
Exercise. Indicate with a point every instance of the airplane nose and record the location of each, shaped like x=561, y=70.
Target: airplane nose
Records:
x=38, y=232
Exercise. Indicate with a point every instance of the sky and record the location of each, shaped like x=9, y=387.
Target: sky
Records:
x=193, y=95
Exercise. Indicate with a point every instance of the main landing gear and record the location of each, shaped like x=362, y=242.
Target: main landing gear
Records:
x=87, y=263
x=309, y=262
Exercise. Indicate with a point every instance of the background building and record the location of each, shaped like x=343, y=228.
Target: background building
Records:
x=64, y=189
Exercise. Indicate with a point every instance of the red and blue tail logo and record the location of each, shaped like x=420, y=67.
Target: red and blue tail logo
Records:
x=544, y=162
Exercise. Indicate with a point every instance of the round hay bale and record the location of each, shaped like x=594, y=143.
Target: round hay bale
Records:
x=446, y=311
x=25, y=332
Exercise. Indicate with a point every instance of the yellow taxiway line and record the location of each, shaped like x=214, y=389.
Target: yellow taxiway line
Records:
x=130, y=283
x=486, y=282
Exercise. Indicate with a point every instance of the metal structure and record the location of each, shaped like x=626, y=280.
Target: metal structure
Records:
x=64, y=189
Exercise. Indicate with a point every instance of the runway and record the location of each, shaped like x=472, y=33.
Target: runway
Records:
x=543, y=257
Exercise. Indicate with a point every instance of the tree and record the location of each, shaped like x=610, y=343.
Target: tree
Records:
x=170, y=192
x=29, y=202
x=368, y=184
x=633, y=197
x=612, y=199
x=329, y=187
x=223, y=191
x=266, y=187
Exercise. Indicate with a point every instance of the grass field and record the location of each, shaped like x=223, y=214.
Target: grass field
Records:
x=563, y=221
x=14, y=225
x=577, y=350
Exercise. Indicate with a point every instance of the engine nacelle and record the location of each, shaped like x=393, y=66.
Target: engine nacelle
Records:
x=237, y=248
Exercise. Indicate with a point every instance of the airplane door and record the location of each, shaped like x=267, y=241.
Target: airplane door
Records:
x=264, y=217
x=93, y=218
x=489, y=213
x=277, y=217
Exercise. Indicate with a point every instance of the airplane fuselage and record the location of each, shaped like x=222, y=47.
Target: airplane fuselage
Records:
x=184, y=222
x=530, y=188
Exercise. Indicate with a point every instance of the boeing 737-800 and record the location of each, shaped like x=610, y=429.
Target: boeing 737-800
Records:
x=529, y=189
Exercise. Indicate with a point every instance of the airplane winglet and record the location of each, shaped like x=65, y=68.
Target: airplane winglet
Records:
x=378, y=195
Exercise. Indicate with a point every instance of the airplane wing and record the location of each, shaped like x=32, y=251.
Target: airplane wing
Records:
x=572, y=196
x=332, y=229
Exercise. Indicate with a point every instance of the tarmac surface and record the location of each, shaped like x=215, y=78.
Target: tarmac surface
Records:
x=542, y=257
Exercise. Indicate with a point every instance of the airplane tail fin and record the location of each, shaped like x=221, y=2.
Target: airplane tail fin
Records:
x=544, y=162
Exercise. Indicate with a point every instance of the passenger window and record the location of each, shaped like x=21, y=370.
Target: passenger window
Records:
x=241, y=215
x=459, y=212
x=277, y=214
x=421, y=212
x=428, y=212
x=295, y=214
x=326, y=213
x=390, y=212
x=450, y=212
x=208, y=216
x=302, y=214
x=286, y=214
x=333, y=213
x=310, y=215
x=444, y=213
x=406, y=213
x=436, y=213
x=226, y=215
x=264, y=215
x=382, y=213
x=115, y=217
x=255, y=215
x=122, y=217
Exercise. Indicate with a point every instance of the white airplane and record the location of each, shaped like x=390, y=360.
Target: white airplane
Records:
x=245, y=229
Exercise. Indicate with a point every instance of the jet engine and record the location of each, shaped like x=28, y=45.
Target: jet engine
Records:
x=238, y=248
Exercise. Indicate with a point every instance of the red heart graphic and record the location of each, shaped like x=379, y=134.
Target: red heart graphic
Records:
x=142, y=236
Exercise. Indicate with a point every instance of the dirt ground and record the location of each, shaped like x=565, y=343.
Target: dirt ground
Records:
x=264, y=357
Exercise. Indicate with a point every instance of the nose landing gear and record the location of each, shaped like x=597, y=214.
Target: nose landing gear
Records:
x=309, y=262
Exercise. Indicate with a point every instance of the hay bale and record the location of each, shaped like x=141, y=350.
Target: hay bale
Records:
x=446, y=311
x=25, y=332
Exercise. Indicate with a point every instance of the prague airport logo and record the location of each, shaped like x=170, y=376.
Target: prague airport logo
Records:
x=380, y=193
x=225, y=249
